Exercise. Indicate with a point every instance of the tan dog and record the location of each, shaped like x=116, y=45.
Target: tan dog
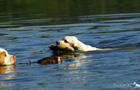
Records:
x=5, y=58
x=75, y=43
x=7, y=69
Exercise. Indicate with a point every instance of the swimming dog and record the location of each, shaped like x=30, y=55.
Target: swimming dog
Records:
x=61, y=46
x=5, y=58
x=76, y=44
x=71, y=43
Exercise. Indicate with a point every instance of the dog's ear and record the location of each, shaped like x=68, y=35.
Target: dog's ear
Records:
x=2, y=57
x=3, y=54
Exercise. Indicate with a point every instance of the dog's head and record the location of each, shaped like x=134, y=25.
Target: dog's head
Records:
x=71, y=39
x=5, y=58
x=62, y=45
x=73, y=42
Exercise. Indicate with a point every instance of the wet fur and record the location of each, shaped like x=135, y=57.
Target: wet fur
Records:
x=76, y=44
x=2, y=57
x=5, y=58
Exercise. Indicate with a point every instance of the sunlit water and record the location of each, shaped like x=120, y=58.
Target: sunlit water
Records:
x=28, y=39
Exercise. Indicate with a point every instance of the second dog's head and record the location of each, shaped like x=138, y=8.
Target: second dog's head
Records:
x=62, y=45
x=73, y=42
x=5, y=58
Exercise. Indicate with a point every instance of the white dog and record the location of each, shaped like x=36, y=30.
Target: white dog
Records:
x=61, y=44
x=73, y=44
x=5, y=58
x=76, y=44
x=136, y=85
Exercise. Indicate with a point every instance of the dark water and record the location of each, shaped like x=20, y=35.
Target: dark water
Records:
x=27, y=27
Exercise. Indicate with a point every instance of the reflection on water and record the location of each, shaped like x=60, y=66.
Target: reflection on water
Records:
x=98, y=69
x=7, y=73
x=6, y=85
x=67, y=55
x=27, y=27
x=7, y=69
x=26, y=9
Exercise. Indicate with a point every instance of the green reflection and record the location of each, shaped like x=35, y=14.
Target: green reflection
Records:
x=53, y=12
x=67, y=8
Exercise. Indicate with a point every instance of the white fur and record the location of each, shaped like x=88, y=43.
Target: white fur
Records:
x=9, y=58
x=63, y=45
x=59, y=59
x=2, y=50
x=136, y=85
x=76, y=43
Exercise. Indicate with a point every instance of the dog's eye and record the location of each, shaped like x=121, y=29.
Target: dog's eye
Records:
x=4, y=54
x=66, y=41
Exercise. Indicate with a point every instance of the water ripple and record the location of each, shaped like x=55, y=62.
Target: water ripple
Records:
x=90, y=70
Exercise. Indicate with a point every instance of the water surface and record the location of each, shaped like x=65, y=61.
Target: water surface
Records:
x=28, y=35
